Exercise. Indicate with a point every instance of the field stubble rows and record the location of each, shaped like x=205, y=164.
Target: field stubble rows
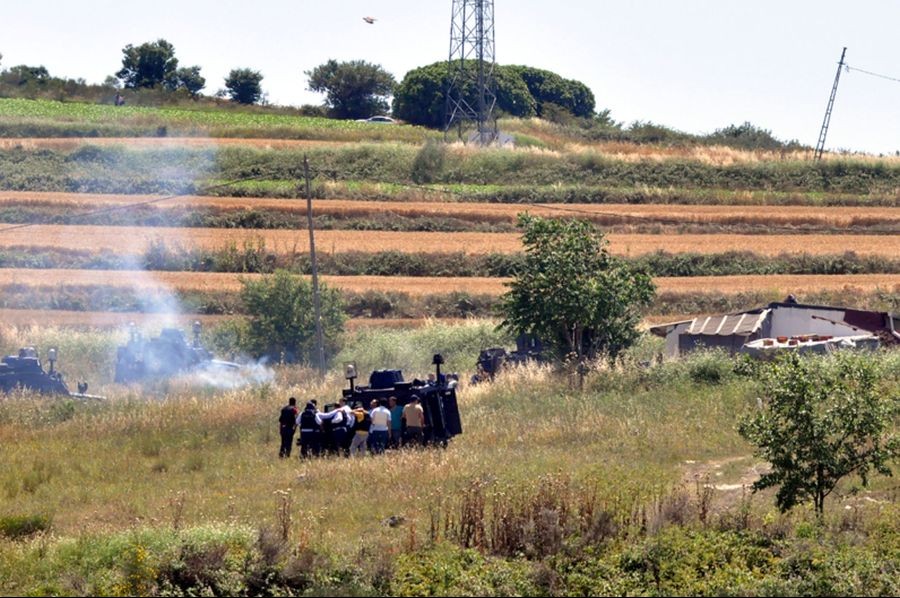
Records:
x=422, y=285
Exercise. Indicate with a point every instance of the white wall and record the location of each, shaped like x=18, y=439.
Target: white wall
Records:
x=793, y=321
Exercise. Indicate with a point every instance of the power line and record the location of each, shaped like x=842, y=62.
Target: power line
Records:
x=865, y=72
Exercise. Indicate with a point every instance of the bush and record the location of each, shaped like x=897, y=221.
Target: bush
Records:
x=282, y=319
x=16, y=527
x=429, y=162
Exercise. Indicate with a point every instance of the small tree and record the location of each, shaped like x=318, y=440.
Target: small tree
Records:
x=571, y=293
x=243, y=85
x=152, y=64
x=282, y=323
x=355, y=89
x=822, y=419
x=190, y=79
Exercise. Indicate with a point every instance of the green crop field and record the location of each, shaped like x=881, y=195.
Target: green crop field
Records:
x=43, y=118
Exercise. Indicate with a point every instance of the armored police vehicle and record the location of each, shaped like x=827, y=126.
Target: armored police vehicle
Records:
x=437, y=398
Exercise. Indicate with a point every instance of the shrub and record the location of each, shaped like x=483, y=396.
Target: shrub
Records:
x=16, y=527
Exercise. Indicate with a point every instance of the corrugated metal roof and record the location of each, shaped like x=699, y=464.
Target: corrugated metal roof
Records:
x=728, y=325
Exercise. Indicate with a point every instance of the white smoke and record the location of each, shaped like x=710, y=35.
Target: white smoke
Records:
x=253, y=373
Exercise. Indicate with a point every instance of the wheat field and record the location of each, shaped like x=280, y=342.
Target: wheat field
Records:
x=135, y=240
x=423, y=285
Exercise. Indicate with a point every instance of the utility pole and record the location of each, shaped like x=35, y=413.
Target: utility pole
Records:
x=820, y=146
x=317, y=306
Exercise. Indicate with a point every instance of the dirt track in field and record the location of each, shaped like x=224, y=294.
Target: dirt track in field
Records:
x=834, y=217
x=135, y=240
x=419, y=286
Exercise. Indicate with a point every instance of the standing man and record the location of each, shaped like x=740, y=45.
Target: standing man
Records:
x=287, y=423
x=310, y=431
x=380, y=430
x=414, y=416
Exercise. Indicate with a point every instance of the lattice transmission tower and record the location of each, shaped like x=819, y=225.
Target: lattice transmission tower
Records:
x=823, y=132
x=471, y=92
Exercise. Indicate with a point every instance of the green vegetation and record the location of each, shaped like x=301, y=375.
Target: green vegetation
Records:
x=282, y=323
x=153, y=64
x=257, y=258
x=183, y=170
x=639, y=509
x=243, y=86
x=823, y=420
x=41, y=118
x=571, y=293
x=354, y=89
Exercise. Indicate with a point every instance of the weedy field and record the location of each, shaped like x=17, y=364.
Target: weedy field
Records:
x=627, y=486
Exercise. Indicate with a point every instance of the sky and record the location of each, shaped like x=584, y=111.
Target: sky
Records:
x=693, y=65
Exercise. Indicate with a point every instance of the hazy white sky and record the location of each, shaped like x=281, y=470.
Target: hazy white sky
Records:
x=694, y=65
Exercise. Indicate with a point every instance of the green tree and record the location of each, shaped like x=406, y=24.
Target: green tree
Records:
x=548, y=88
x=243, y=85
x=422, y=95
x=24, y=74
x=571, y=293
x=189, y=78
x=152, y=64
x=282, y=323
x=355, y=89
x=822, y=419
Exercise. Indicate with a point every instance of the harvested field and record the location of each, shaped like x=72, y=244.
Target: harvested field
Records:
x=136, y=240
x=420, y=285
x=769, y=216
x=107, y=319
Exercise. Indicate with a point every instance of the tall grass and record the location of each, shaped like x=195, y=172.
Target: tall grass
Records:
x=186, y=488
x=187, y=170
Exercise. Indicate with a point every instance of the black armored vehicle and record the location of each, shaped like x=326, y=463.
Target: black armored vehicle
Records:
x=164, y=356
x=437, y=397
x=491, y=361
x=25, y=371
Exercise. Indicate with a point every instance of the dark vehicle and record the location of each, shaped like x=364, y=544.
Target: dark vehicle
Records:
x=25, y=371
x=167, y=355
x=491, y=361
x=438, y=399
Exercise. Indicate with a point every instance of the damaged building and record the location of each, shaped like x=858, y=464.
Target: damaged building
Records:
x=781, y=326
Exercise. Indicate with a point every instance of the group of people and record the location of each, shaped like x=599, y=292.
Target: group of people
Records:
x=351, y=430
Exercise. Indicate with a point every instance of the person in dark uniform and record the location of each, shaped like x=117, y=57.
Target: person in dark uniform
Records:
x=287, y=423
x=310, y=431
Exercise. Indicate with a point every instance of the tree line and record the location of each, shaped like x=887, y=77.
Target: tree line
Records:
x=353, y=89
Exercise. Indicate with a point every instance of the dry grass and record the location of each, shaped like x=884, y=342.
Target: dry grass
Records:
x=834, y=217
x=422, y=285
x=105, y=319
x=135, y=240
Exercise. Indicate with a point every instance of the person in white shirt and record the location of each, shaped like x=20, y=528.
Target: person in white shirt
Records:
x=380, y=430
